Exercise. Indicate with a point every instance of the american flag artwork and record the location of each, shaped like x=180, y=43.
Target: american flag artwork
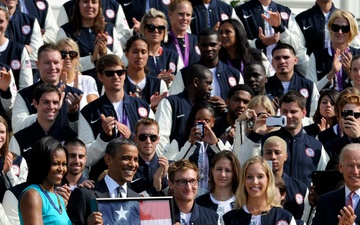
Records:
x=136, y=211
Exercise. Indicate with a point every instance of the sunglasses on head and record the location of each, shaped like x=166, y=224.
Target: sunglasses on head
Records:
x=344, y=29
x=110, y=73
x=72, y=54
x=151, y=28
x=143, y=137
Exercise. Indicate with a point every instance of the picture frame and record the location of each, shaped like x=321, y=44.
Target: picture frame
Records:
x=135, y=210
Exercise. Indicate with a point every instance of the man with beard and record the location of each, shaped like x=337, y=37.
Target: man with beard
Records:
x=237, y=101
x=173, y=111
x=121, y=157
x=286, y=79
x=224, y=76
x=76, y=164
x=255, y=77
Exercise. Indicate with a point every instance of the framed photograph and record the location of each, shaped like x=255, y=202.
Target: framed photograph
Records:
x=135, y=211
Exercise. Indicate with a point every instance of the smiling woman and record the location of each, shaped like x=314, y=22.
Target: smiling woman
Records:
x=330, y=67
x=163, y=62
x=94, y=36
x=38, y=203
x=255, y=197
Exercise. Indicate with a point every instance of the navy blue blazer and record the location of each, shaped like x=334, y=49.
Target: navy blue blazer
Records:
x=79, y=205
x=328, y=207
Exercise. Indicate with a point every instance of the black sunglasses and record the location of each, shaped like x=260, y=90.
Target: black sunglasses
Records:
x=143, y=137
x=110, y=73
x=346, y=113
x=344, y=29
x=151, y=28
x=72, y=54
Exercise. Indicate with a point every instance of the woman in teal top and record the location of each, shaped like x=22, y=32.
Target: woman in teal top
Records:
x=39, y=204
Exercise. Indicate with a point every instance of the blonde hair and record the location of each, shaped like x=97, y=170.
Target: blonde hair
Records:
x=241, y=195
x=153, y=13
x=73, y=45
x=349, y=17
x=275, y=140
x=264, y=101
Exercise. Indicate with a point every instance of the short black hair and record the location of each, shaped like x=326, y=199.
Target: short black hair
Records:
x=134, y=38
x=208, y=32
x=240, y=87
x=255, y=62
x=44, y=88
x=283, y=46
x=195, y=71
x=116, y=144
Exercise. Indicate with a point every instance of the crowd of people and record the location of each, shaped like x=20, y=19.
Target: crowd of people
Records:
x=231, y=110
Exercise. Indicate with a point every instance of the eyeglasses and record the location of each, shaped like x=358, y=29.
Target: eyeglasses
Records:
x=111, y=73
x=344, y=29
x=185, y=182
x=72, y=54
x=143, y=137
x=151, y=28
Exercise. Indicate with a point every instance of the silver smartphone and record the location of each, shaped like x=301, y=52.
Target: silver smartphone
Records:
x=276, y=121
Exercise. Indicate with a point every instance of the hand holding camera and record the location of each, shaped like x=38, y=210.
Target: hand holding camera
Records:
x=202, y=132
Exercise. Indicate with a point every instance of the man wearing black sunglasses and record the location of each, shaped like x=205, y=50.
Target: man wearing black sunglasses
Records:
x=112, y=115
x=151, y=177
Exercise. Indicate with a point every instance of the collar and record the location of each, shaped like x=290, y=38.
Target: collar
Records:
x=318, y=10
x=112, y=185
x=347, y=191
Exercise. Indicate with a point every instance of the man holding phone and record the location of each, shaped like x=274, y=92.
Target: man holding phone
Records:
x=305, y=153
x=347, y=110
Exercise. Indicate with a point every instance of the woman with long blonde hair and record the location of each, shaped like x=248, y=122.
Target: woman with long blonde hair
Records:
x=255, y=197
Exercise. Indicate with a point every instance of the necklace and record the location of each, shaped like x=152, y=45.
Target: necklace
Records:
x=181, y=41
x=51, y=201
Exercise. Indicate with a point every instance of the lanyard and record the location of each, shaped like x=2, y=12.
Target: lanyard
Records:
x=178, y=49
x=241, y=65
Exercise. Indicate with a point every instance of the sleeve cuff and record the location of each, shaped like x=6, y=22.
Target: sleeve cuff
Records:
x=280, y=28
x=6, y=94
x=255, y=137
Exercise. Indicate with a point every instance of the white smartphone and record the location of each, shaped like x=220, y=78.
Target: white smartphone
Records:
x=276, y=121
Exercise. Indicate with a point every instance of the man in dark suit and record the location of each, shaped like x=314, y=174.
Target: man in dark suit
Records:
x=341, y=206
x=121, y=157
